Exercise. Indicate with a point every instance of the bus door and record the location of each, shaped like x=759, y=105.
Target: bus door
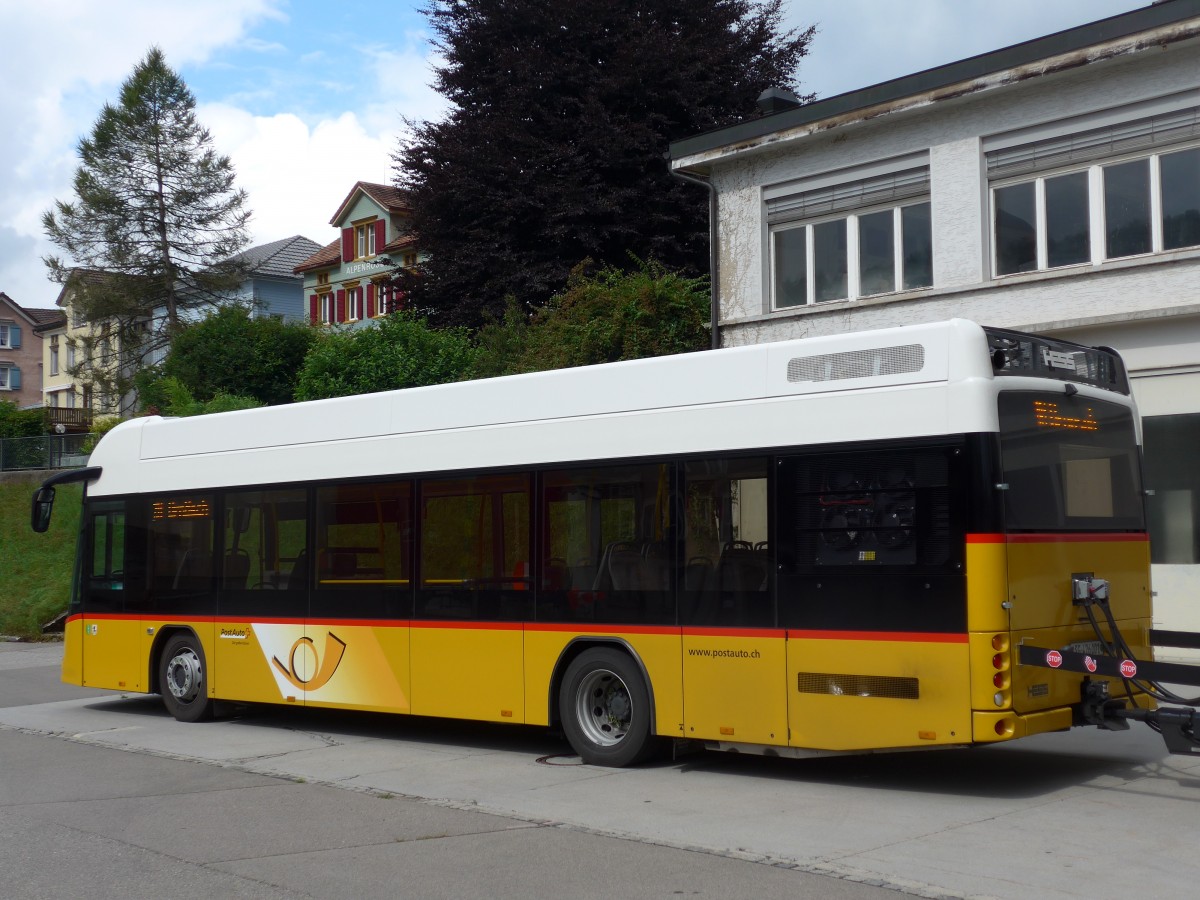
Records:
x=733, y=655
x=360, y=601
x=473, y=598
x=114, y=655
x=873, y=594
x=263, y=651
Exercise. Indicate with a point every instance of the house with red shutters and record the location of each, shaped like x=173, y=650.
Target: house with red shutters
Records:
x=346, y=281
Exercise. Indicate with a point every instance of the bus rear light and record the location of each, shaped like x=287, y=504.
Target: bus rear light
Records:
x=1000, y=699
x=1000, y=642
x=998, y=661
x=1004, y=728
x=998, y=680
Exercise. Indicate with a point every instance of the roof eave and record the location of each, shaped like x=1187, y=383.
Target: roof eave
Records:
x=1142, y=29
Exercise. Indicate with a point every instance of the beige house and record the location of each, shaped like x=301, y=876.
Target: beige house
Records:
x=80, y=361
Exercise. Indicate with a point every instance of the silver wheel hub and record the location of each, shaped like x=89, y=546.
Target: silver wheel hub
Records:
x=183, y=675
x=603, y=708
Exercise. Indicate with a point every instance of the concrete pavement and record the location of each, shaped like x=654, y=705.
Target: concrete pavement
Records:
x=1085, y=814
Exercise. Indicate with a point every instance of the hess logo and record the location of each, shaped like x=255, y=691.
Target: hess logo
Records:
x=327, y=662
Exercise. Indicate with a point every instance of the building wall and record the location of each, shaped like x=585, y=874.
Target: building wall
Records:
x=25, y=359
x=951, y=132
x=277, y=297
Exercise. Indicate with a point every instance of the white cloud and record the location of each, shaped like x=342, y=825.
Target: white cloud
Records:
x=297, y=176
x=61, y=63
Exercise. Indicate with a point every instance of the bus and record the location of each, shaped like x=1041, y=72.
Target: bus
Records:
x=860, y=542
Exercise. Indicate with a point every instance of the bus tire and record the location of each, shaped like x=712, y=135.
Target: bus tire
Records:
x=605, y=708
x=183, y=679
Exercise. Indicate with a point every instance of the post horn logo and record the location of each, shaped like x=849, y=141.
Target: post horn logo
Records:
x=328, y=662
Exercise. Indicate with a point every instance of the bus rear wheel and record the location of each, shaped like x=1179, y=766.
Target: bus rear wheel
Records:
x=183, y=680
x=605, y=709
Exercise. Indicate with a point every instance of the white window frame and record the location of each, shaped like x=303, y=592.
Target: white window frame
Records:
x=354, y=304
x=328, y=308
x=364, y=240
x=1097, y=223
x=5, y=381
x=843, y=196
x=853, y=255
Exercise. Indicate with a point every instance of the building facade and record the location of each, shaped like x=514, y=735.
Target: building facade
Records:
x=272, y=286
x=21, y=351
x=1053, y=186
x=346, y=282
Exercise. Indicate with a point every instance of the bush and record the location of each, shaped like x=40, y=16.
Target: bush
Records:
x=397, y=351
x=602, y=316
x=16, y=422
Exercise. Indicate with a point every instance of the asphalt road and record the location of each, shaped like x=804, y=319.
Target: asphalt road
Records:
x=104, y=795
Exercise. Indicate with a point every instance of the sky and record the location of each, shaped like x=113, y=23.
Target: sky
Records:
x=309, y=97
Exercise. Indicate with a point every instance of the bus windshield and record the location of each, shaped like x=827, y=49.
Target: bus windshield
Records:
x=1070, y=463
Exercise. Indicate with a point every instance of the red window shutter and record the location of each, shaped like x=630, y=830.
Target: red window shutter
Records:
x=397, y=300
x=314, y=308
x=380, y=234
x=371, y=300
x=341, y=306
x=347, y=244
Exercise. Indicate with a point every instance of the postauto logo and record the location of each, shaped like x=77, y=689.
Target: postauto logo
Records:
x=327, y=662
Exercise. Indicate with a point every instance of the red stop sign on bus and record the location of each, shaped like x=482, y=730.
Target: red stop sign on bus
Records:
x=1053, y=659
x=1128, y=668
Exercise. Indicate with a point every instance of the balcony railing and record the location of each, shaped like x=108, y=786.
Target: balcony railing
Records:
x=72, y=419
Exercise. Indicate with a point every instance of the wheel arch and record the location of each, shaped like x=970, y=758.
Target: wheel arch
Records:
x=579, y=645
x=156, y=649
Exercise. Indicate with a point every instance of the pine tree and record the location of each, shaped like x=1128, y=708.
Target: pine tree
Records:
x=553, y=149
x=151, y=230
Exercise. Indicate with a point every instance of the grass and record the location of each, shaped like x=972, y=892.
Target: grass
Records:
x=36, y=568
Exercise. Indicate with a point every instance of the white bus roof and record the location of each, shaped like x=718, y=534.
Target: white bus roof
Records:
x=890, y=383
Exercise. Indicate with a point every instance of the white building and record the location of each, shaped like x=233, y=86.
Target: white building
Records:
x=1052, y=186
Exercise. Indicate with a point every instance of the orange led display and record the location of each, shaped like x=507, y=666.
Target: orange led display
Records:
x=1046, y=415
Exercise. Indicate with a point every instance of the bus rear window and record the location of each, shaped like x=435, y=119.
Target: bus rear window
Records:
x=1070, y=463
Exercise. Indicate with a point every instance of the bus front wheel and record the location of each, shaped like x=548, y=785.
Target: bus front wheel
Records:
x=182, y=679
x=605, y=708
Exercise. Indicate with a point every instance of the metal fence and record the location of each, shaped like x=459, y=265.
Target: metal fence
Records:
x=49, y=451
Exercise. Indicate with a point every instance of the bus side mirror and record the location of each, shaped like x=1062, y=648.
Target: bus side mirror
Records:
x=43, y=506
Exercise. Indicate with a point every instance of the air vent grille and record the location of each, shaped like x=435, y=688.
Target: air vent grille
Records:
x=886, y=686
x=857, y=364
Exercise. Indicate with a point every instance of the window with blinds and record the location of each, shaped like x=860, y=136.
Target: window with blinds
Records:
x=1126, y=189
x=856, y=238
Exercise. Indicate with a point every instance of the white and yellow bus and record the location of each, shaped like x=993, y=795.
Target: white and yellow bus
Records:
x=831, y=544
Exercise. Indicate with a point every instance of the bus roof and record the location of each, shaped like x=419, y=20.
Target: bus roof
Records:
x=594, y=412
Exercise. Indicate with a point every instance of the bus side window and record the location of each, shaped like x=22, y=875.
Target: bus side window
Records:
x=105, y=579
x=607, y=544
x=180, y=551
x=475, y=549
x=726, y=578
x=265, y=545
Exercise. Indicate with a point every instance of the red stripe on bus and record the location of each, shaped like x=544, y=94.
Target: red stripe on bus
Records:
x=916, y=637
x=1098, y=538
x=588, y=628
x=1054, y=538
x=692, y=631
x=467, y=626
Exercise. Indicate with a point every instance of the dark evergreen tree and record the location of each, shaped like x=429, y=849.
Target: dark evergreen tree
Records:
x=553, y=149
x=153, y=225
